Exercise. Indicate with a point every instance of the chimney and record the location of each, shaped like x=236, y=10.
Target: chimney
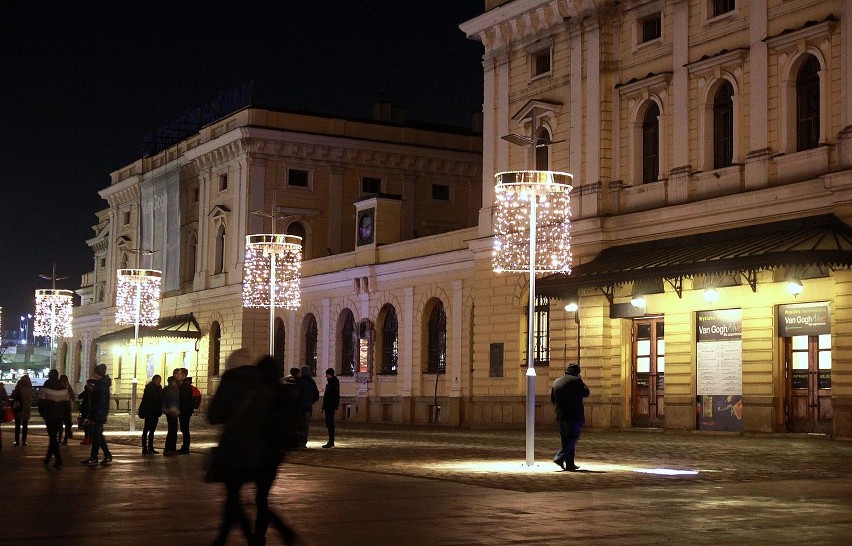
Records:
x=388, y=113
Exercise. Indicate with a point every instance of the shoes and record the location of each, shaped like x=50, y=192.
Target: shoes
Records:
x=326, y=446
x=65, y=442
x=183, y=451
x=57, y=464
x=570, y=467
x=47, y=460
x=106, y=461
x=169, y=453
x=153, y=451
x=145, y=452
x=560, y=463
x=89, y=462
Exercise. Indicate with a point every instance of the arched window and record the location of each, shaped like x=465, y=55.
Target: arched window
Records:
x=76, y=373
x=542, y=150
x=347, y=343
x=541, y=331
x=390, y=340
x=436, y=358
x=215, y=355
x=807, y=105
x=62, y=361
x=651, y=144
x=297, y=229
x=723, y=126
x=311, y=344
x=279, y=345
x=219, y=265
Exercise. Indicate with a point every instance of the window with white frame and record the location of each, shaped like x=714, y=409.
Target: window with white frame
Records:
x=219, y=256
x=651, y=144
x=650, y=28
x=298, y=178
x=223, y=182
x=540, y=62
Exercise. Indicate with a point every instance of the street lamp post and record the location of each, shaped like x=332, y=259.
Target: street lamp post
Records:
x=137, y=302
x=532, y=235
x=271, y=275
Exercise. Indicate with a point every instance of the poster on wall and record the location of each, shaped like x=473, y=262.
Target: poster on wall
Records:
x=804, y=319
x=719, y=370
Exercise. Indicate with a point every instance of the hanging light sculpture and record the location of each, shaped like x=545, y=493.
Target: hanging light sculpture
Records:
x=53, y=316
x=272, y=274
x=532, y=233
x=137, y=302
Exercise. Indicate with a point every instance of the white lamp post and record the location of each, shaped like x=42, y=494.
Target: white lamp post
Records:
x=271, y=274
x=53, y=316
x=532, y=234
x=137, y=302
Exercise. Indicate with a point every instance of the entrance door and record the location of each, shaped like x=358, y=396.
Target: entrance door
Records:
x=649, y=366
x=808, y=373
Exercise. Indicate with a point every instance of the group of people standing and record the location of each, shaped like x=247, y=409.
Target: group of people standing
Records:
x=308, y=394
x=178, y=401
x=21, y=402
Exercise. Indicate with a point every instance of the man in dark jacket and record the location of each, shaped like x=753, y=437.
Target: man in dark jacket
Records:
x=308, y=394
x=150, y=410
x=567, y=396
x=186, y=409
x=330, y=403
x=97, y=416
x=52, y=399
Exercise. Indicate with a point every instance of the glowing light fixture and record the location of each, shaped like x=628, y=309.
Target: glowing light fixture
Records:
x=795, y=287
x=532, y=233
x=137, y=302
x=638, y=300
x=52, y=316
x=711, y=294
x=272, y=275
x=572, y=307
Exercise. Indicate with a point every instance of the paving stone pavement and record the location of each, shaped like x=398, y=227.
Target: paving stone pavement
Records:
x=412, y=485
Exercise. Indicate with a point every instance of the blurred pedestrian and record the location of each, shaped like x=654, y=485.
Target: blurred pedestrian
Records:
x=330, y=403
x=85, y=398
x=52, y=401
x=22, y=401
x=308, y=395
x=254, y=406
x=150, y=409
x=186, y=409
x=171, y=408
x=67, y=409
x=97, y=416
x=567, y=396
x=4, y=403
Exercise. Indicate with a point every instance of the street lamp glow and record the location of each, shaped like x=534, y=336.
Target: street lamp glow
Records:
x=532, y=233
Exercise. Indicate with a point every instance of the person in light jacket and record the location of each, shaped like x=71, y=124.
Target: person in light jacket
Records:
x=52, y=400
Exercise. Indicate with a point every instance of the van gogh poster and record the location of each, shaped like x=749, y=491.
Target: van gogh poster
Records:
x=719, y=370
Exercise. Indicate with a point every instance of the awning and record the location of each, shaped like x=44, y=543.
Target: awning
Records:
x=821, y=241
x=180, y=326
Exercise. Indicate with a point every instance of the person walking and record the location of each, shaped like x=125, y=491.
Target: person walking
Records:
x=249, y=402
x=330, y=403
x=97, y=416
x=67, y=409
x=52, y=401
x=186, y=409
x=567, y=396
x=171, y=408
x=85, y=398
x=4, y=403
x=308, y=394
x=22, y=401
x=150, y=409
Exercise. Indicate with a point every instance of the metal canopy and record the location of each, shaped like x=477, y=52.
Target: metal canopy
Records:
x=812, y=241
x=180, y=326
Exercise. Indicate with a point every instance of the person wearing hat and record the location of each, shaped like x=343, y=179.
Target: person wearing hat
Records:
x=567, y=396
x=97, y=416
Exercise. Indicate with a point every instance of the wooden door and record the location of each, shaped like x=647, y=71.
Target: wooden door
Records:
x=648, y=377
x=808, y=382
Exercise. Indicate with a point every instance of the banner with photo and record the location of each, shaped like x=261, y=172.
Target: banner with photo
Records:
x=719, y=370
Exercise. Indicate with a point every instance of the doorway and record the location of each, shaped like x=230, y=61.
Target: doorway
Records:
x=808, y=383
x=648, y=373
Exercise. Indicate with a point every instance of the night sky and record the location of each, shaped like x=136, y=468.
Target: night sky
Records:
x=83, y=82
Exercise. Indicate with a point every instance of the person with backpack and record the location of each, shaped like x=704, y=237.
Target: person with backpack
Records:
x=186, y=408
x=196, y=395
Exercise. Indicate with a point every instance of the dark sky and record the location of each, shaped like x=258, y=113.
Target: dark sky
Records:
x=82, y=82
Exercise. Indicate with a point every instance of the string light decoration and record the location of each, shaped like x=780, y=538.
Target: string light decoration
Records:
x=532, y=233
x=144, y=283
x=137, y=302
x=272, y=273
x=53, y=313
x=515, y=193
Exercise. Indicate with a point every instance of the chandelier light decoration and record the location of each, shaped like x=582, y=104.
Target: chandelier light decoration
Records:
x=272, y=274
x=137, y=302
x=532, y=233
x=52, y=316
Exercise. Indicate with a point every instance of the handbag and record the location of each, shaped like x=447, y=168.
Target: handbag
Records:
x=8, y=415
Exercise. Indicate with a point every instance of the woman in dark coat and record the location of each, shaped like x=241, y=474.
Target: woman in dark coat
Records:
x=171, y=407
x=150, y=409
x=66, y=409
x=247, y=398
x=22, y=401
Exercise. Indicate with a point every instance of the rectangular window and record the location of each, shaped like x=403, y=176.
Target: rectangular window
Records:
x=126, y=218
x=195, y=194
x=371, y=184
x=721, y=7
x=541, y=331
x=298, y=178
x=652, y=27
x=495, y=368
x=223, y=182
x=440, y=192
x=540, y=62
